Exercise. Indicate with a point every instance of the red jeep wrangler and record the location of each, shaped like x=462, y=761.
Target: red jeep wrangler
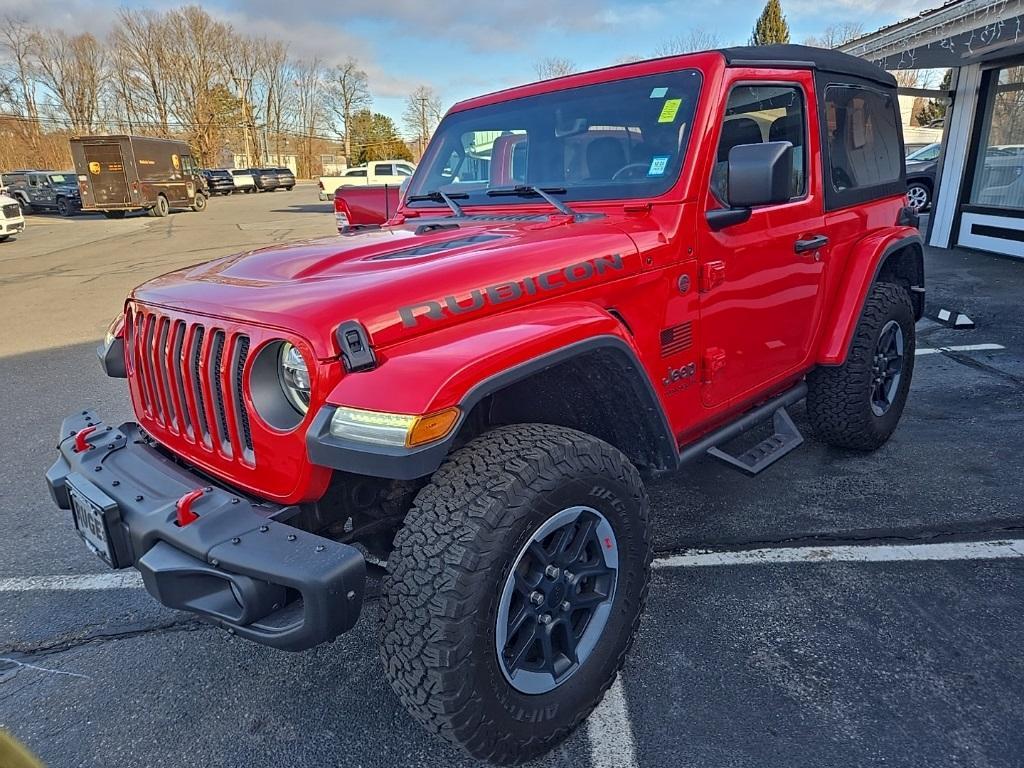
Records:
x=591, y=279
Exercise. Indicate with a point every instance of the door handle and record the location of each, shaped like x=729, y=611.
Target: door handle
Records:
x=810, y=244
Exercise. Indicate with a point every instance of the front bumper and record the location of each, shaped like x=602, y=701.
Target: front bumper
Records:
x=11, y=227
x=237, y=565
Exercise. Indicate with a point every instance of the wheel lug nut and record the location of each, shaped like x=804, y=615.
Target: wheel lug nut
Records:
x=545, y=618
x=536, y=598
x=552, y=572
x=565, y=606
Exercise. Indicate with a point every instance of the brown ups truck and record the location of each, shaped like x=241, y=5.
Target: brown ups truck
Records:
x=117, y=174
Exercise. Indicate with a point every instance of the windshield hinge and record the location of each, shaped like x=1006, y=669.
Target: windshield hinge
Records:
x=637, y=207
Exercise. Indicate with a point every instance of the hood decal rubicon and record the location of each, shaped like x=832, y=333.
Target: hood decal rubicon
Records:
x=500, y=293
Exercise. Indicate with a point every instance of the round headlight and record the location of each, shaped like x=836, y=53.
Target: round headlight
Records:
x=294, y=376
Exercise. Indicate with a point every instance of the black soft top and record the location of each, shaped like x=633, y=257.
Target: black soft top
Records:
x=806, y=57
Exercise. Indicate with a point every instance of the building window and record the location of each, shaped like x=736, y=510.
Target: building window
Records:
x=998, y=178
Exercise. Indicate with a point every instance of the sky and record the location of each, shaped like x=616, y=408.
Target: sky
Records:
x=463, y=48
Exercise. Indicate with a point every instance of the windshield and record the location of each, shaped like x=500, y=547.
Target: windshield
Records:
x=931, y=152
x=623, y=139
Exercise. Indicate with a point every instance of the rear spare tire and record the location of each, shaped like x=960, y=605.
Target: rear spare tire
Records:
x=859, y=403
x=515, y=589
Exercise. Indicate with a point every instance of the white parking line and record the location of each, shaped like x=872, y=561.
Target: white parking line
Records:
x=963, y=348
x=114, y=580
x=882, y=553
x=610, y=732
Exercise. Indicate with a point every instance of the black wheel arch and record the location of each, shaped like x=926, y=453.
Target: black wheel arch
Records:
x=582, y=386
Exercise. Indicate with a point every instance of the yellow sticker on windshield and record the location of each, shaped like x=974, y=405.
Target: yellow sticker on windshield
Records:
x=669, y=110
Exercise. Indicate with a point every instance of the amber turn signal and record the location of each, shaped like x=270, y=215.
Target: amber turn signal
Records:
x=427, y=429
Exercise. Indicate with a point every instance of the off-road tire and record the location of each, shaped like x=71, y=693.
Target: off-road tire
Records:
x=839, y=397
x=26, y=206
x=451, y=560
x=64, y=207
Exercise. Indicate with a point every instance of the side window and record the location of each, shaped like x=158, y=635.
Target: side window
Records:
x=403, y=170
x=384, y=170
x=862, y=128
x=760, y=113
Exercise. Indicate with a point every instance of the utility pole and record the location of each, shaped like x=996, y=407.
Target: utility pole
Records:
x=423, y=125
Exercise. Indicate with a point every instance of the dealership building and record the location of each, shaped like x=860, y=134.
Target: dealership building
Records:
x=978, y=201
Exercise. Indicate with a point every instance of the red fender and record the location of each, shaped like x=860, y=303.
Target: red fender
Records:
x=439, y=369
x=862, y=267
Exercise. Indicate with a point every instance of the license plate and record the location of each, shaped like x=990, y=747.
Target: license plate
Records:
x=91, y=524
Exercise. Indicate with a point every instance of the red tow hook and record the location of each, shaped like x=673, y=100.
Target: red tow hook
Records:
x=80, y=436
x=184, y=507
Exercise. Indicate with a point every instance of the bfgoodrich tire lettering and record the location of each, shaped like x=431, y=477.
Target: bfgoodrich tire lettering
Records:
x=452, y=559
x=839, y=398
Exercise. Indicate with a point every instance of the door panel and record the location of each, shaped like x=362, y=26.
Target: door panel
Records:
x=760, y=291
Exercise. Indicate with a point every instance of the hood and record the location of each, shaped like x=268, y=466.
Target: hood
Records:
x=404, y=280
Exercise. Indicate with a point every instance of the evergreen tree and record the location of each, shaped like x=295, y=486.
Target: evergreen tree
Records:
x=771, y=27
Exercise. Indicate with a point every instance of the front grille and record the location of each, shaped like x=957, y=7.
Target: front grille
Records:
x=12, y=211
x=189, y=379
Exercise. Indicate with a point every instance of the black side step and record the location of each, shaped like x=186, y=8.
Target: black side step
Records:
x=757, y=459
x=767, y=452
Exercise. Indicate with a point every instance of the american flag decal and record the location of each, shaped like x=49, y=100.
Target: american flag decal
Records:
x=676, y=339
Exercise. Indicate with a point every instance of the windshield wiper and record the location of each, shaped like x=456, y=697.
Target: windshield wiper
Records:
x=529, y=190
x=437, y=196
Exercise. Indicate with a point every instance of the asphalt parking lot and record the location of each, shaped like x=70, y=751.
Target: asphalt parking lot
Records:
x=803, y=659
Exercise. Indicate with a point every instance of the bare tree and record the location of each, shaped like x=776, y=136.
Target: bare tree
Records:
x=553, y=66
x=143, y=47
x=310, y=111
x=197, y=70
x=349, y=92
x=695, y=40
x=835, y=35
x=277, y=88
x=73, y=69
x=242, y=63
x=17, y=74
x=422, y=114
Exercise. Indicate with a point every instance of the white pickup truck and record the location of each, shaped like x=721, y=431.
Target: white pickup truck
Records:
x=373, y=173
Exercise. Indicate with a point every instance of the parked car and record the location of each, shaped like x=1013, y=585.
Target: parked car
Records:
x=921, y=165
x=219, y=182
x=243, y=180
x=265, y=179
x=477, y=391
x=356, y=207
x=12, y=221
x=45, y=191
x=371, y=174
x=285, y=178
x=118, y=174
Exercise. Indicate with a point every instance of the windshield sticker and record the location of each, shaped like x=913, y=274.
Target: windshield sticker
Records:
x=659, y=93
x=669, y=111
x=658, y=165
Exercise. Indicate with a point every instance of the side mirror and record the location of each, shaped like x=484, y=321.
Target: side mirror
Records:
x=760, y=174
